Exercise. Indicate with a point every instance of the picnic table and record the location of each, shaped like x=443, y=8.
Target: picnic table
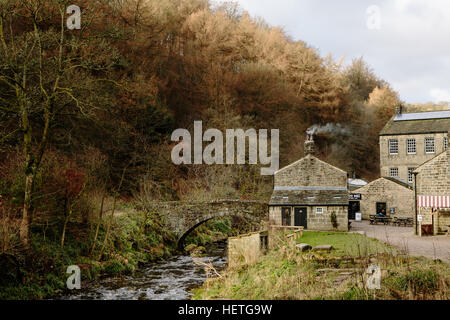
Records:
x=375, y=219
x=407, y=222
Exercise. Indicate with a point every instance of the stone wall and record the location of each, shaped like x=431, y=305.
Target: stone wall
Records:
x=275, y=215
x=433, y=178
x=384, y=190
x=315, y=221
x=310, y=171
x=402, y=160
x=443, y=220
x=322, y=221
x=244, y=250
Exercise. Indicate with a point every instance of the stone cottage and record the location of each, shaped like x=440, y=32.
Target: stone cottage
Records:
x=432, y=183
x=388, y=196
x=310, y=193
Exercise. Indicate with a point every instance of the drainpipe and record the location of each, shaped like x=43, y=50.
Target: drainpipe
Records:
x=415, y=199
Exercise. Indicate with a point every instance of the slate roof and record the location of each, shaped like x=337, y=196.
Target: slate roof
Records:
x=417, y=123
x=310, y=197
x=400, y=182
x=397, y=181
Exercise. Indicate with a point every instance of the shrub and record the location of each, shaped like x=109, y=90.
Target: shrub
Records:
x=418, y=282
x=333, y=219
x=114, y=267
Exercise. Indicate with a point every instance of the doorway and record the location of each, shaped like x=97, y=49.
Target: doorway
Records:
x=381, y=208
x=300, y=217
x=353, y=208
x=286, y=216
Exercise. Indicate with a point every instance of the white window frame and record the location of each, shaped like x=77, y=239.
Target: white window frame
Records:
x=430, y=139
x=391, y=146
x=319, y=210
x=408, y=146
x=445, y=143
x=393, y=170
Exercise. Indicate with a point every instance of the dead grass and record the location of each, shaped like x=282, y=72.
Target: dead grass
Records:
x=285, y=273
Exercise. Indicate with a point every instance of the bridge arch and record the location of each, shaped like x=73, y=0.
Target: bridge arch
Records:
x=197, y=224
x=181, y=217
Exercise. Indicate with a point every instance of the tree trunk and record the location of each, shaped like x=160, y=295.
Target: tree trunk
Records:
x=27, y=210
x=108, y=228
x=63, y=236
x=98, y=223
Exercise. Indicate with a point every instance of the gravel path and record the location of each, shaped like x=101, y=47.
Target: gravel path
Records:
x=436, y=247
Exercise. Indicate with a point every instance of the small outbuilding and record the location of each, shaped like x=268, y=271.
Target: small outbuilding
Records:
x=386, y=196
x=310, y=193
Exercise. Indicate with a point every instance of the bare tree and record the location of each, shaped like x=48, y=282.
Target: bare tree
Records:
x=45, y=69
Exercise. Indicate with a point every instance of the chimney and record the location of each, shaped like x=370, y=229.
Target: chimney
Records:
x=399, y=109
x=309, y=143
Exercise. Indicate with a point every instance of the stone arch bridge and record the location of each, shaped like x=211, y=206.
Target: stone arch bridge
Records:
x=182, y=217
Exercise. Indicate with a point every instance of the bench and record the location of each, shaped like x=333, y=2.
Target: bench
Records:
x=374, y=219
x=407, y=222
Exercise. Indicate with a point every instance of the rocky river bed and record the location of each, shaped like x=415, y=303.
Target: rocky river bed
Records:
x=172, y=279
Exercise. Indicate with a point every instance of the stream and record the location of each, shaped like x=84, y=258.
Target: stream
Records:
x=165, y=280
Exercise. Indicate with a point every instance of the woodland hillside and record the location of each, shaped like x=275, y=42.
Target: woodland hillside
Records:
x=87, y=113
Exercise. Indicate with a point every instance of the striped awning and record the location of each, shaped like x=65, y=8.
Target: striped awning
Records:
x=433, y=201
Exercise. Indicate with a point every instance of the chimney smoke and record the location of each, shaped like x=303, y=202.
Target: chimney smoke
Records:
x=309, y=143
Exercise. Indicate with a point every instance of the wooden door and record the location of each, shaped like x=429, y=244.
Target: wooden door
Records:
x=300, y=217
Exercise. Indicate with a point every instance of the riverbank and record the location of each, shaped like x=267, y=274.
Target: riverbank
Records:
x=40, y=271
x=135, y=239
x=287, y=273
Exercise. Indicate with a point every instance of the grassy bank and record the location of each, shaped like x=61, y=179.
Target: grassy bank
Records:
x=40, y=271
x=287, y=273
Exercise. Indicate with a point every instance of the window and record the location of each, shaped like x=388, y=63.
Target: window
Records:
x=393, y=146
x=393, y=172
x=445, y=143
x=410, y=175
x=411, y=146
x=319, y=210
x=429, y=145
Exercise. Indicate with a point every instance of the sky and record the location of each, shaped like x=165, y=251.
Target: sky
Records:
x=406, y=42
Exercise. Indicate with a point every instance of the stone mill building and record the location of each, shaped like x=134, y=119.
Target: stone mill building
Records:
x=310, y=193
x=410, y=139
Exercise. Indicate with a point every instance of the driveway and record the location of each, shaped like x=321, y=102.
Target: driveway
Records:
x=436, y=247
